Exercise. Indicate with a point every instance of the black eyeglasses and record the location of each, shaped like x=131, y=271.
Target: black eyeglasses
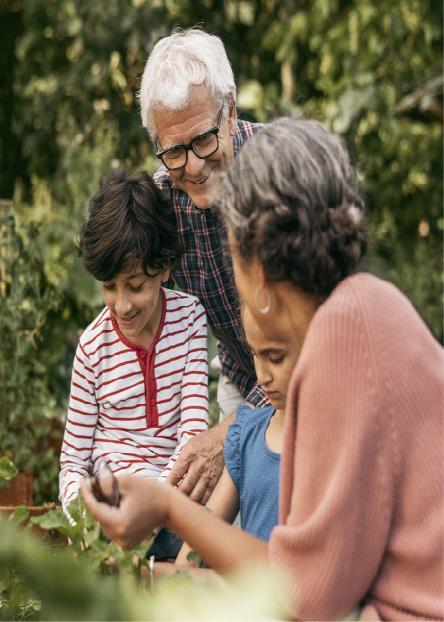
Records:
x=202, y=145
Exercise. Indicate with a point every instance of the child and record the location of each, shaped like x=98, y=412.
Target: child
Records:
x=139, y=386
x=250, y=480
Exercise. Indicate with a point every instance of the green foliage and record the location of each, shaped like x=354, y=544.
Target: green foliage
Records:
x=8, y=469
x=26, y=299
x=88, y=544
x=63, y=583
x=48, y=584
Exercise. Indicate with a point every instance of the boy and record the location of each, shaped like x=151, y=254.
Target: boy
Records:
x=139, y=386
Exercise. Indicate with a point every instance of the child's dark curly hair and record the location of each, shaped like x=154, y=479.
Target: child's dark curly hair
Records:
x=290, y=199
x=129, y=222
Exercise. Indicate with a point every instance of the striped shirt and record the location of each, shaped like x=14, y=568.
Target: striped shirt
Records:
x=136, y=407
x=205, y=270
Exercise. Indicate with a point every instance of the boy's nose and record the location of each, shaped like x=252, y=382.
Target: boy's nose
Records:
x=122, y=306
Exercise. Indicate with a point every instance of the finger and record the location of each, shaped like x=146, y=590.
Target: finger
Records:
x=198, y=492
x=178, y=471
x=191, y=479
x=87, y=494
x=100, y=511
x=206, y=496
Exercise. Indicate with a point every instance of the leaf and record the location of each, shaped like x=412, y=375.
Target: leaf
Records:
x=19, y=516
x=194, y=557
x=53, y=519
x=8, y=470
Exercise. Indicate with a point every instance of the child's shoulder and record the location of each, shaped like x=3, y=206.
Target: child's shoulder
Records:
x=177, y=301
x=99, y=328
x=246, y=429
x=250, y=416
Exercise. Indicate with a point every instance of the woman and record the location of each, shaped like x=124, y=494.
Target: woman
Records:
x=362, y=466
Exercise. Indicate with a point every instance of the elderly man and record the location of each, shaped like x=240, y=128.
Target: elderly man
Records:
x=188, y=106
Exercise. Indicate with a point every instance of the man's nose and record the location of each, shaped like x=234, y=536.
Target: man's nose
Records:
x=194, y=165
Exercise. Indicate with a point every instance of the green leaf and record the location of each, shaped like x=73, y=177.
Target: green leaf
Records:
x=19, y=516
x=8, y=469
x=53, y=519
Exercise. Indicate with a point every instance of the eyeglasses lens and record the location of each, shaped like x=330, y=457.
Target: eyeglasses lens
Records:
x=202, y=146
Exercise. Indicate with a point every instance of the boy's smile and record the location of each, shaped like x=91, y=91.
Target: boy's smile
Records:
x=134, y=299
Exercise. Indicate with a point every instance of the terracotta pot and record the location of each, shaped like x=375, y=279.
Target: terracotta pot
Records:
x=18, y=492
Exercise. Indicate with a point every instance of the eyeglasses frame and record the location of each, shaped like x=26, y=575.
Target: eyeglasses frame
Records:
x=214, y=130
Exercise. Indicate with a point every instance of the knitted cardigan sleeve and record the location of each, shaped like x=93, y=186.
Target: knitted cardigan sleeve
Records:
x=337, y=476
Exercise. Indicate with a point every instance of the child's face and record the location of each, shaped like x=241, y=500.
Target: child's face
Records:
x=134, y=300
x=274, y=361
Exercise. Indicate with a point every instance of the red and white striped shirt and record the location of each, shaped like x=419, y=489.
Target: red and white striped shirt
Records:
x=136, y=407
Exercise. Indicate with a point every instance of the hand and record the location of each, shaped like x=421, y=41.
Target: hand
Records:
x=200, y=464
x=144, y=505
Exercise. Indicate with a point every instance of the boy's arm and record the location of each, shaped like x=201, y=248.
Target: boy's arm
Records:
x=194, y=396
x=79, y=428
x=224, y=502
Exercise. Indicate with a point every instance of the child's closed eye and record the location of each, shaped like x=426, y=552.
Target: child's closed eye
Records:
x=136, y=288
x=276, y=359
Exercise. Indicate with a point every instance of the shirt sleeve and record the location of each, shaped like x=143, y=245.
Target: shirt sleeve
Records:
x=336, y=482
x=194, y=402
x=79, y=429
x=232, y=449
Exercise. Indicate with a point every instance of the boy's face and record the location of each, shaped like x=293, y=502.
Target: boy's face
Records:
x=134, y=300
x=274, y=361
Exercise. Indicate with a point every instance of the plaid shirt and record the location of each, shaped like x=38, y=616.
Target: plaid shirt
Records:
x=205, y=270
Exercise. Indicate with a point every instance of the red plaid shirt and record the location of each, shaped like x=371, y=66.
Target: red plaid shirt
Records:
x=205, y=270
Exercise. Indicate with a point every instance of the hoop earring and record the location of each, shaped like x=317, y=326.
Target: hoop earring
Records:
x=264, y=309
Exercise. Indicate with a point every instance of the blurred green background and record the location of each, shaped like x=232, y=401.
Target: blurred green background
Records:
x=70, y=70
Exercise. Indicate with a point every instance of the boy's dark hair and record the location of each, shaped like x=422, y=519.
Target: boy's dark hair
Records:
x=129, y=221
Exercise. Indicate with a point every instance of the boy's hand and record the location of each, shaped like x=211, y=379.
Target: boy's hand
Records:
x=201, y=462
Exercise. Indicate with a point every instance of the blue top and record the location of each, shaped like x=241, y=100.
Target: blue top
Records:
x=254, y=469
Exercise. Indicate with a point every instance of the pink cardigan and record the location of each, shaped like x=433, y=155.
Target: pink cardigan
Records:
x=361, y=510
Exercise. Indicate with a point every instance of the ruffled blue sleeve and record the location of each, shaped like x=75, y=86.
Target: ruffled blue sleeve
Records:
x=232, y=453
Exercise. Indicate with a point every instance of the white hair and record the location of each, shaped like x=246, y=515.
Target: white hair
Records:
x=184, y=59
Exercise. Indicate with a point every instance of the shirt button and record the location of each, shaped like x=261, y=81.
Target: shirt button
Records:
x=142, y=354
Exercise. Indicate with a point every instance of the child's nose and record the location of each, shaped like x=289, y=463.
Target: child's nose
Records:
x=263, y=375
x=122, y=306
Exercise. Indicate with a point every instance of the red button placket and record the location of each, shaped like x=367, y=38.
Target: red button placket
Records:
x=146, y=361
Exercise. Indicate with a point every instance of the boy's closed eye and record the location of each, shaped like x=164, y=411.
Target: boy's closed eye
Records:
x=131, y=286
x=136, y=288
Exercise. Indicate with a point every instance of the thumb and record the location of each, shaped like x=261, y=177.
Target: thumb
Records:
x=99, y=510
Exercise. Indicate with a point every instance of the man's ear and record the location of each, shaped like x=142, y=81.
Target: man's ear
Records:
x=232, y=115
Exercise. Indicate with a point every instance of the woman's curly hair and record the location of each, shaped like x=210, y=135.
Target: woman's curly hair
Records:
x=290, y=199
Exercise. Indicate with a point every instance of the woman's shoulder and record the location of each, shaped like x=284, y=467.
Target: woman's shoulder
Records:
x=360, y=288
x=373, y=307
x=364, y=289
